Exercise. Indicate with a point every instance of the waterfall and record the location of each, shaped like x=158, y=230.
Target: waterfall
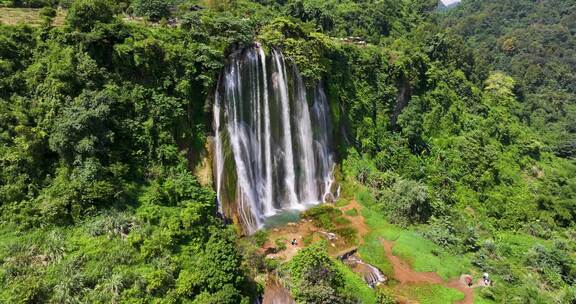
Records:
x=272, y=139
x=281, y=92
x=323, y=140
x=308, y=188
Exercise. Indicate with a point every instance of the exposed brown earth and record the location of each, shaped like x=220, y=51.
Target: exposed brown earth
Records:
x=291, y=231
x=306, y=229
x=357, y=221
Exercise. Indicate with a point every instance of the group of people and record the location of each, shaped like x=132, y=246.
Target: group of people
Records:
x=485, y=279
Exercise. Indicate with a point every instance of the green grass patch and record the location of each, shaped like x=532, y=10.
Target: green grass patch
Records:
x=342, y=221
x=517, y=244
x=341, y=202
x=280, y=244
x=432, y=294
x=307, y=240
x=355, y=286
x=350, y=234
x=352, y=212
x=365, y=197
x=372, y=252
x=425, y=256
x=478, y=299
x=323, y=216
x=8, y=234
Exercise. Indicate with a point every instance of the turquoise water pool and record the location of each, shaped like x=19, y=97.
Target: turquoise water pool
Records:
x=282, y=218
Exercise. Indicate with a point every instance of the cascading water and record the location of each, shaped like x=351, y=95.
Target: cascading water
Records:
x=371, y=275
x=322, y=143
x=273, y=150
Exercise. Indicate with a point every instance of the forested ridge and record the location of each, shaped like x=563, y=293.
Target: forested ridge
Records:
x=458, y=127
x=535, y=44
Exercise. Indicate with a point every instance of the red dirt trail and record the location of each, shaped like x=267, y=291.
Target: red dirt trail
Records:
x=358, y=220
x=405, y=275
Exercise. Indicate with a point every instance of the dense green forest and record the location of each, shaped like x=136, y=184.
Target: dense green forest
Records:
x=459, y=126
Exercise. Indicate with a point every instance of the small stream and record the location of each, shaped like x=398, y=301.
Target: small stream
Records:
x=371, y=275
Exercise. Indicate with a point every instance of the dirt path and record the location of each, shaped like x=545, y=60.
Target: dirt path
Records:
x=358, y=220
x=460, y=284
x=405, y=275
x=291, y=231
x=303, y=228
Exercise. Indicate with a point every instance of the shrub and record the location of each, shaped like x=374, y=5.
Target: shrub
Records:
x=553, y=264
x=221, y=5
x=352, y=212
x=314, y=277
x=348, y=233
x=260, y=237
x=271, y=264
x=48, y=12
x=85, y=14
x=154, y=10
x=384, y=297
x=323, y=216
x=341, y=221
x=280, y=244
x=441, y=232
x=407, y=202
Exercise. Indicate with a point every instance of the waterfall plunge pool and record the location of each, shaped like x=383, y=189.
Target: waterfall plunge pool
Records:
x=282, y=217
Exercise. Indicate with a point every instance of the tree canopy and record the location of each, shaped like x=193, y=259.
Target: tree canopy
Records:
x=459, y=125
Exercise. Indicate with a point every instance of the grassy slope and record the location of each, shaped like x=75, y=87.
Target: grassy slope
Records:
x=28, y=16
x=421, y=253
x=479, y=300
x=426, y=256
x=431, y=294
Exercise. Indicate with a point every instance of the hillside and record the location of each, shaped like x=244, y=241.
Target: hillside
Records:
x=534, y=43
x=155, y=151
